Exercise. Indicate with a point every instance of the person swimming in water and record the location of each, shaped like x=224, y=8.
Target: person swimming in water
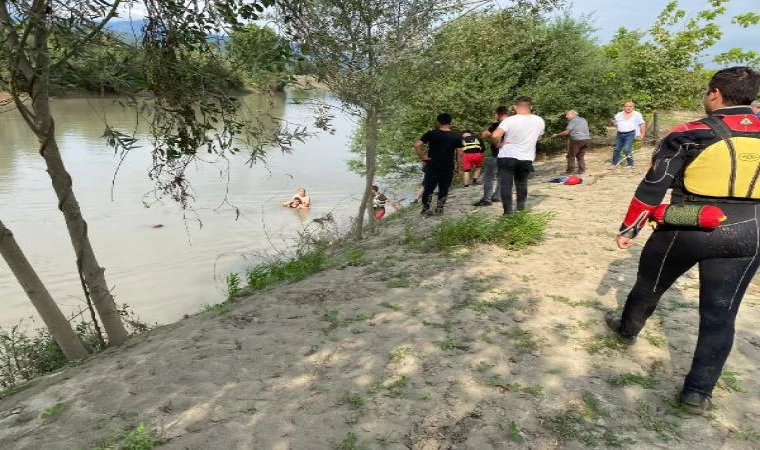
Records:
x=296, y=203
x=304, y=200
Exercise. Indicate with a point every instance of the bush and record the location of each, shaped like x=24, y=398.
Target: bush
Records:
x=304, y=264
x=512, y=231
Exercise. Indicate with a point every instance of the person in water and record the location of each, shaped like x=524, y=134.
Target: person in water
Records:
x=304, y=200
x=296, y=203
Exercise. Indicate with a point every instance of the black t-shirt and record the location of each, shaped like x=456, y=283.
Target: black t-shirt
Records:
x=491, y=129
x=442, y=147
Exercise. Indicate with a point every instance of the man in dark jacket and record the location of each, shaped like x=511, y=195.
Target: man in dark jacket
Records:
x=712, y=163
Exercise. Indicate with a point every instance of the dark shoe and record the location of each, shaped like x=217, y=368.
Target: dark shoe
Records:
x=612, y=318
x=482, y=202
x=695, y=403
x=425, y=210
x=466, y=185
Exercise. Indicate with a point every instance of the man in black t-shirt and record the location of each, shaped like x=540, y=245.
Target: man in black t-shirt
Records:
x=443, y=148
x=491, y=171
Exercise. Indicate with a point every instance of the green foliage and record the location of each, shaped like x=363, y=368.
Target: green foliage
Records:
x=648, y=381
x=351, y=442
x=141, y=438
x=661, y=68
x=52, y=412
x=652, y=420
x=261, y=54
x=233, y=286
x=514, y=433
x=301, y=266
x=729, y=381
x=218, y=308
x=513, y=231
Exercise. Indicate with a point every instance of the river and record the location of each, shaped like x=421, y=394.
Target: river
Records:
x=158, y=260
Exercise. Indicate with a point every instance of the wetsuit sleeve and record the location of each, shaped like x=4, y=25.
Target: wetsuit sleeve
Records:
x=667, y=162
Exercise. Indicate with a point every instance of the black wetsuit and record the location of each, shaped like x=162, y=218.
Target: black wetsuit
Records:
x=728, y=256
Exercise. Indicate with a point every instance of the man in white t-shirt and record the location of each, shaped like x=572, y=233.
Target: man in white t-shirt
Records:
x=630, y=125
x=517, y=137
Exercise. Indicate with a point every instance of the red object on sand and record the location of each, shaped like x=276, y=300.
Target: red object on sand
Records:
x=572, y=180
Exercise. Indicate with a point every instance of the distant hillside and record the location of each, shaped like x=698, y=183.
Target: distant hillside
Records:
x=130, y=31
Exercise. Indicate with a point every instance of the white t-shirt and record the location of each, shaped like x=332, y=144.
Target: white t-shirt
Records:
x=521, y=132
x=632, y=124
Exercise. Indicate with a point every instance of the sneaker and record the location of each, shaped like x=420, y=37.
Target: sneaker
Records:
x=695, y=403
x=629, y=167
x=612, y=166
x=482, y=202
x=612, y=318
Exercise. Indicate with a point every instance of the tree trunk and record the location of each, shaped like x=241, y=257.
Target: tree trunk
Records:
x=43, y=302
x=87, y=263
x=370, y=158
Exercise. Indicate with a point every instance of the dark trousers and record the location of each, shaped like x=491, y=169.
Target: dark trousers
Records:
x=576, y=152
x=514, y=172
x=440, y=177
x=728, y=259
x=491, y=188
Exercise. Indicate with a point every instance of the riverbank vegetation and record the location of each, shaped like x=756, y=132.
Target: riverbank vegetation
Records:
x=484, y=59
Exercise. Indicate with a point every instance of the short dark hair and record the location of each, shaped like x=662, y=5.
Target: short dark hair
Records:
x=523, y=99
x=374, y=187
x=444, y=119
x=502, y=110
x=738, y=85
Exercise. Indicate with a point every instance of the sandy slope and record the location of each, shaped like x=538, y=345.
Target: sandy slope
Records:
x=457, y=335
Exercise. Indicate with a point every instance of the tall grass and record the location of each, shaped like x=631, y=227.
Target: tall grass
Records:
x=301, y=266
x=512, y=231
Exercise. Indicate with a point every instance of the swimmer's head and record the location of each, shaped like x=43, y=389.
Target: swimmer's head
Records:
x=301, y=192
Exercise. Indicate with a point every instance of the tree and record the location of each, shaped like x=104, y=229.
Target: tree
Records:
x=261, y=54
x=475, y=63
x=185, y=115
x=662, y=68
x=43, y=302
x=740, y=55
x=357, y=48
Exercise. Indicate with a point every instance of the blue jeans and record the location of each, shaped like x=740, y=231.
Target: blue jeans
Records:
x=624, y=143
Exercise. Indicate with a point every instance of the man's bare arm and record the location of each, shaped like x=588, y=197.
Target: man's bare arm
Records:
x=420, y=151
x=496, y=137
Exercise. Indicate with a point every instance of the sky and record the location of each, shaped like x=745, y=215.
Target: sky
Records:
x=609, y=15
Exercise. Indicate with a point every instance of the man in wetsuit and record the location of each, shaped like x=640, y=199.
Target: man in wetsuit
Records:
x=444, y=149
x=714, y=161
x=491, y=190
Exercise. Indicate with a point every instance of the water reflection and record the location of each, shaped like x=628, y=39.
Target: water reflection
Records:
x=163, y=272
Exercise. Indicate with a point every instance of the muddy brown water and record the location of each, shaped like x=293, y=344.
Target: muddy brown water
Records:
x=158, y=260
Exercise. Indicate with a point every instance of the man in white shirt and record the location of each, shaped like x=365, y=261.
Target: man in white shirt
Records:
x=517, y=137
x=630, y=125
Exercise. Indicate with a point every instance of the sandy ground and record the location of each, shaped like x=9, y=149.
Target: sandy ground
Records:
x=479, y=349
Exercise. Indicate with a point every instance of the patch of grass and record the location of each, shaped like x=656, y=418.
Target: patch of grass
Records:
x=499, y=382
x=577, y=423
x=648, y=381
x=391, y=306
x=478, y=284
x=450, y=343
x=749, y=435
x=655, y=339
x=729, y=381
x=513, y=231
x=351, y=442
x=355, y=257
x=426, y=396
x=536, y=391
x=334, y=320
x=234, y=289
x=514, y=434
x=400, y=281
x=356, y=400
x=141, y=438
x=401, y=353
x=554, y=371
x=53, y=412
x=524, y=340
x=483, y=367
x=587, y=324
x=604, y=344
x=219, y=308
x=677, y=408
x=318, y=388
x=651, y=420
x=485, y=337
x=591, y=407
x=576, y=303
x=398, y=387
x=447, y=326
x=305, y=263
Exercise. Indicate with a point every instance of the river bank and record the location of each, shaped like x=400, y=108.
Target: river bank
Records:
x=479, y=348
